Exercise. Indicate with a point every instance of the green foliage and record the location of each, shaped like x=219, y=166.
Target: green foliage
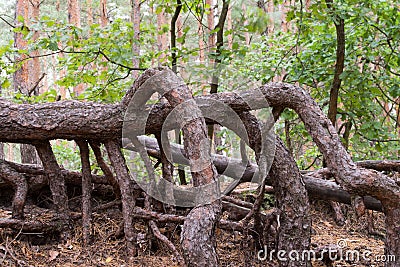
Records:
x=101, y=58
x=307, y=56
x=66, y=155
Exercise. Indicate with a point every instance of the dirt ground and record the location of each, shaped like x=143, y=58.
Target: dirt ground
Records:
x=33, y=249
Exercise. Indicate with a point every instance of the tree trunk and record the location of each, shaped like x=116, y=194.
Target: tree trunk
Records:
x=34, y=66
x=20, y=185
x=90, y=19
x=22, y=79
x=128, y=195
x=26, y=123
x=317, y=187
x=103, y=13
x=210, y=25
x=294, y=233
x=86, y=191
x=229, y=28
x=198, y=237
x=161, y=37
x=69, y=120
x=270, y=11
x=74, y=18
x=198, y=231
x=174, y=21
x=74, y=13
x=28, y=154
x=392, y=242
x=340, y=53
x=135, y=18
x=55, y=177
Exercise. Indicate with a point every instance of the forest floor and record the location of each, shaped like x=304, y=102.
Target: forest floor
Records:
x=33, y=249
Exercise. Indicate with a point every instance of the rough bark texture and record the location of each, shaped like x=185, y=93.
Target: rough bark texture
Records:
x=35, y=173
x=86, y=191
x=291, y=196
x=20, y=185
x=347, y=173
x=55, y=178
x=142, y=214
x=352, y=178
x=198, y=232
x=32, y=226
x=28, y=154
x=381, y=165
x=128, y=196
x=25, y=123
x=64, y=120
x=69, y=119
x=198, y=237
x=292, y=200
x=392, y=241
x=317, y=187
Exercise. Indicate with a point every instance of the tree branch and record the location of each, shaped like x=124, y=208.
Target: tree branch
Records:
x=340, y=53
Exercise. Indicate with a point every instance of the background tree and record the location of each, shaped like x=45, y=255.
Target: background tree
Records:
x=345, y=55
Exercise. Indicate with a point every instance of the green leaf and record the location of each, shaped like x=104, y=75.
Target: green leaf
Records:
x=6, y=84
x=394, y=91
x=20, y=18
x=378, y=147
